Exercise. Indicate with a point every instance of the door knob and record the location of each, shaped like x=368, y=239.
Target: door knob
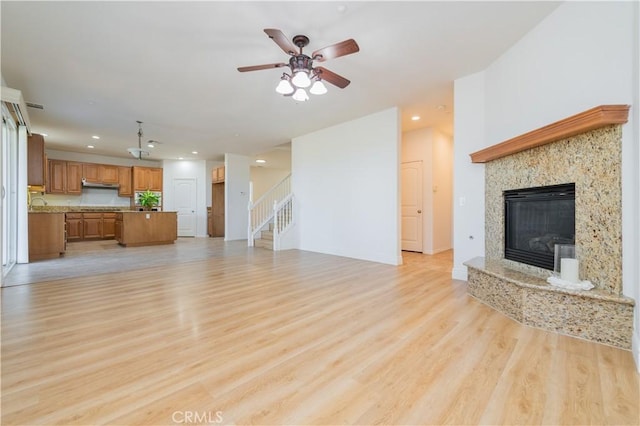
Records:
x=419, y=211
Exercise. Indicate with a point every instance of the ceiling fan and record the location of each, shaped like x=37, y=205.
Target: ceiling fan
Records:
x=303, y=73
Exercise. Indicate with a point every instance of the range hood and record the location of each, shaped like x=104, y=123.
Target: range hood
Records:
x=86, y=184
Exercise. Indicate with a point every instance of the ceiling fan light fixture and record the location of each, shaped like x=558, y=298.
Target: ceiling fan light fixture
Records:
x=300, y=95
x=301, y=79
x=318, y=88
x=284, y=87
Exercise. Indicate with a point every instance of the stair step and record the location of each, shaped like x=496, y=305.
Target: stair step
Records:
x=266, y=235
x=263, y=244
x=270, y=226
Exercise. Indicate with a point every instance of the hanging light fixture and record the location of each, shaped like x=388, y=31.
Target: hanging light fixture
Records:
x=139, y=152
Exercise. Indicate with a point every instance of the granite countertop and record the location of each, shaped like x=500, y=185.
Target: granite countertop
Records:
x=497, y=269
x=76, y=209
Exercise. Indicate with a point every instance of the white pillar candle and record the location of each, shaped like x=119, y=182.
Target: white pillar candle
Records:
x=569, y=269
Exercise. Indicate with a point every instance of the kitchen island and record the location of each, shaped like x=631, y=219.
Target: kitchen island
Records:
x=146, y=228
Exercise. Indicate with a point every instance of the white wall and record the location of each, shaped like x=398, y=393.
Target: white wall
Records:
x=346, y=182
x=264, y=178
x=187, y=169
x=435, y=150
x=442, y=191
x=582, y=55
x=236, y=194
x=468, y=178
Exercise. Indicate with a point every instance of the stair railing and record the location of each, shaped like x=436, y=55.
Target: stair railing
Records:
x=282, y=219
x=261, y=211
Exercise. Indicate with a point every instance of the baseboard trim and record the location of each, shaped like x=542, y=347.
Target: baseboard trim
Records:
x=459, y=273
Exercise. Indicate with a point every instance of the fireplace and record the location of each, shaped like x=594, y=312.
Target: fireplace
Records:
x=536, y=219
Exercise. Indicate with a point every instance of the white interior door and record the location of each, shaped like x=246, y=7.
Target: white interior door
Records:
x=412, y=206
x=184, y=194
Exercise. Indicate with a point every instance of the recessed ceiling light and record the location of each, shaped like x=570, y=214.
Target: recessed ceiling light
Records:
x=180, y=158
x=95, y=137
x=44, y=134
x=415, y=118
x=150, y=145
x=261, y=161
x=90, y=146
x=194, y=152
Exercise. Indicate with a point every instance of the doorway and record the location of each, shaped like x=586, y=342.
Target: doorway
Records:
x=8, y=192
x=185, y=195
x=411, y=204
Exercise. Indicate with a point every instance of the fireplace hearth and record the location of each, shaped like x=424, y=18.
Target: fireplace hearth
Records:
x=536, y=219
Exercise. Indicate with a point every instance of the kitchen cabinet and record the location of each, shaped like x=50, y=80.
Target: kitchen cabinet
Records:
x=108, y=174
x=217, y=210
x=147, y=178
x=91, y=226
x=57, y=182
x=125, y=188
x=146, y=228
x=74, y=178
x=108, y=225
x=74, y=226
x=36, y=163
x=65, y=177
x=217, y=175
x=46, y=235
x=101, y=173
x=91, y=172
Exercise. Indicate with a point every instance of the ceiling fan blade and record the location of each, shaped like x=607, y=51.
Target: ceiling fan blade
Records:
x=331, y=77
x=261, y=67
x=343, y=48
x=282, y=41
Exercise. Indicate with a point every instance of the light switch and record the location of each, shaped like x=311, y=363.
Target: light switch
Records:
x=462, y=201
x=148, y=215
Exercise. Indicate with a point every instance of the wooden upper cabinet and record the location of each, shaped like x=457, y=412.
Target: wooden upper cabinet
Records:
x=108, y=174
x=147, y=178
x=90, y=172
x=125, y=188
x=35, y=160
x=100, y=173
x=57, y=180
x=217, y=175
x=74, y=177
x=155, y=179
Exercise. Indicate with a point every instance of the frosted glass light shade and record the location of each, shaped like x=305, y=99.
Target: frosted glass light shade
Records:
x=301, y=79
x=318, y=88
x=284, y=87
x=300, y=95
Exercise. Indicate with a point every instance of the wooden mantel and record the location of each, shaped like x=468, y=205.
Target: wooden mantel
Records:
x=591, y=119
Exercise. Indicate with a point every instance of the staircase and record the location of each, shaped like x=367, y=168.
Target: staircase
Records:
x=271, y=216
x=266, y=238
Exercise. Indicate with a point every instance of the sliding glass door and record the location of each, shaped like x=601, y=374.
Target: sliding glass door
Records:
x=8, y=191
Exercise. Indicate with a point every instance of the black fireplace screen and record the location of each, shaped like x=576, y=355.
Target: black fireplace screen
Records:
x=536, y=219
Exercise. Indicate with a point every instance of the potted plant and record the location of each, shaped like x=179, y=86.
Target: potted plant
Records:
x=148, y=199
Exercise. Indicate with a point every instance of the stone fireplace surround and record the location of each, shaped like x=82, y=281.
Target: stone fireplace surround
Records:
x=585, y=149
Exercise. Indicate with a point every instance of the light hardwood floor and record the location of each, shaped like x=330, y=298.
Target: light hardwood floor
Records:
x=249, y=336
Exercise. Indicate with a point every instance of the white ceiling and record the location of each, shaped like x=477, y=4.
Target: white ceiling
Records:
x=97, y=67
